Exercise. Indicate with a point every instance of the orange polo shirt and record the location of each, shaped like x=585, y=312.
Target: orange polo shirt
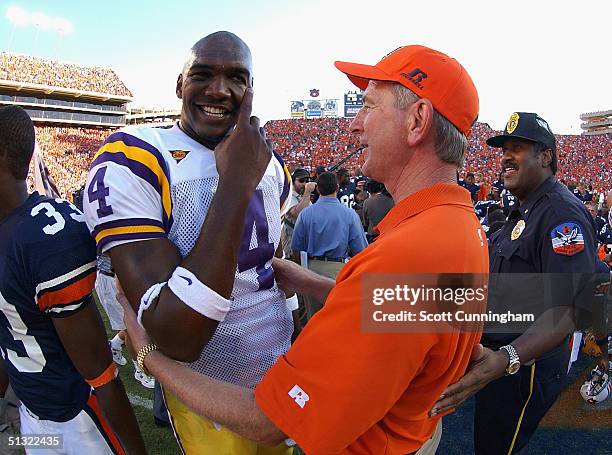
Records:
x=340, y=390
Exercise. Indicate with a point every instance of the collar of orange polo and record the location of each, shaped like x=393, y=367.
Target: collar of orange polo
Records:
x=428, y=74
x=438, y=194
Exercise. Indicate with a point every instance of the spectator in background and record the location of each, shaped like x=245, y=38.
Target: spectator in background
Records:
x=328, y=232
x=300, y=199
x=360, y=197
x=592, y=208
x=604, y=210
x=499, y=183
x=346, y=188
x=375, y=208
x=358, y=178
x=471, y=186
x=483, y=188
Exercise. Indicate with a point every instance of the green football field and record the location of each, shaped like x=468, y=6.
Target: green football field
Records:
x=159, y=441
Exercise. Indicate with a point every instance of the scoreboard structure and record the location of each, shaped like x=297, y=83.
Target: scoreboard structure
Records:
x=314, y=108
x=353, y=101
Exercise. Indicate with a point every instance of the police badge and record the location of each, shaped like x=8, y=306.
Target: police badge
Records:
x=512, y=124
x=518, y=230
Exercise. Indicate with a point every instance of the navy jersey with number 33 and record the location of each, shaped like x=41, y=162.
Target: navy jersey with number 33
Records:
x=47, y=270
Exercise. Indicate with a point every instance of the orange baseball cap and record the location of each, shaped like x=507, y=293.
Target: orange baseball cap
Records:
x=429, y=74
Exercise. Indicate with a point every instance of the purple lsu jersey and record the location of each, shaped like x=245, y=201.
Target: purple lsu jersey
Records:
x=47, y=270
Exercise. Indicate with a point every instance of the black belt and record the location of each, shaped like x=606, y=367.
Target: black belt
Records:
x=111, y=274
x=323, y=258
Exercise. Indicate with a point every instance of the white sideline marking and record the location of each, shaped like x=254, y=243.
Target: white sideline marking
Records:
x=137, y=400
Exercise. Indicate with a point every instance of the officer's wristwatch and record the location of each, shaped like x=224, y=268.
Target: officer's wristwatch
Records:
x=515, y=363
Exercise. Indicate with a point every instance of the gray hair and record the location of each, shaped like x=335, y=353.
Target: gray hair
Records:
x=450, y=144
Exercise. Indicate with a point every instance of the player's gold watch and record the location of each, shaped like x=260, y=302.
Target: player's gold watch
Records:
x=514, y=363
x=142, y=353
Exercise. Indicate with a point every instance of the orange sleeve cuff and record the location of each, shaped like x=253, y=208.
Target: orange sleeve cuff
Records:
x=107, y=376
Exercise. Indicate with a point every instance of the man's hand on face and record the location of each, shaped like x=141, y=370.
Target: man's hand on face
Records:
x=244, y=155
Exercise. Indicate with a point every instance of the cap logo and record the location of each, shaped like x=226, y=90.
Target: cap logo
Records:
x=512, y=123
x=415, y=76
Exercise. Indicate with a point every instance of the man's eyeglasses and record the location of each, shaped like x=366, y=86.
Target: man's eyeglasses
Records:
x=304, y=180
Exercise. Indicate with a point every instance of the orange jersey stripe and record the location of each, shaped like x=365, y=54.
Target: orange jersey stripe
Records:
x=71, y=293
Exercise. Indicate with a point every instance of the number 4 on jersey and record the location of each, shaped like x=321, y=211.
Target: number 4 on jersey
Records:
x=97, y=191
x=264, y=251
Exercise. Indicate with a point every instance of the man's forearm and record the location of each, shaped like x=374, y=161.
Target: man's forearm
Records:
x=302, y=204
x=315, y=285
x=118, y=412
x=214, y=257
x=213, y=261
x=229, y=405
x=545, y=334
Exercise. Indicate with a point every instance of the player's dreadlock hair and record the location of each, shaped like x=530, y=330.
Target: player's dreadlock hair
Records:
x=17, y=139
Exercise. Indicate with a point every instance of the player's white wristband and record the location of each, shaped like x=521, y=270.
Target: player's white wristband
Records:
x=197, y=296
x=292, y=303
x=147, y=299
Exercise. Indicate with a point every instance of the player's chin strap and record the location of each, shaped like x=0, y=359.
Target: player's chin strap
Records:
x=192, y=292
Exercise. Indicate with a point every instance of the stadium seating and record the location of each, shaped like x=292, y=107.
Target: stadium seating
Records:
x=310, y=143
x=68, y=152
x=323, y=142
x=35, y=70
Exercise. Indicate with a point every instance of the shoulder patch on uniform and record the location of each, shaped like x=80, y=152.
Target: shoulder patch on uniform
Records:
x=567, y=239
x=179, y=155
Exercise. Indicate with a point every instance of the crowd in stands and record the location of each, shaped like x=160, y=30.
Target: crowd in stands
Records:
x=323, y=142
x=67, y=153
x=35, y=70
x=313, y=142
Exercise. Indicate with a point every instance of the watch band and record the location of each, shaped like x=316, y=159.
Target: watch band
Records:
x=142, y=353
x=515, y=363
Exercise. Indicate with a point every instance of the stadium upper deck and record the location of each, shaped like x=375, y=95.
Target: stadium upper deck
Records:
x=596, y=123
x=61, y=93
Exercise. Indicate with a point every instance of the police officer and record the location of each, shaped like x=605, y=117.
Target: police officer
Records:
x=540, y=262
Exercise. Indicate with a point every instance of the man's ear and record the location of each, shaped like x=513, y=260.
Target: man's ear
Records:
x=419, y=121
x=547, y=158
x=179, y=86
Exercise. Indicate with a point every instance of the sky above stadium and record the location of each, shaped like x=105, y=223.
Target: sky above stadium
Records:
x=538, y=55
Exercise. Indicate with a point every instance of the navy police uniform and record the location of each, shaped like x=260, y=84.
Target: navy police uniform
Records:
x=47, y=270
x=546, y=239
